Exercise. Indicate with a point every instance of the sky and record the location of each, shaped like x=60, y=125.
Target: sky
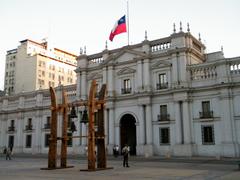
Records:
x=71, y=24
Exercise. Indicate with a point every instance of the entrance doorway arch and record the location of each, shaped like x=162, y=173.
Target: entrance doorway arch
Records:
x=128, y=132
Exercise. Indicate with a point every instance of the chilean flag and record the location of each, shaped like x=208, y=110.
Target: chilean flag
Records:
x=119, y=27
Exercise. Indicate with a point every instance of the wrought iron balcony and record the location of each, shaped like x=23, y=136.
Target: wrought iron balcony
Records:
x=126, y=90
x=206, y=114
x=28, y=127
x=11, y=128
x=163, y=117
x=162, y=85
x=47, y=126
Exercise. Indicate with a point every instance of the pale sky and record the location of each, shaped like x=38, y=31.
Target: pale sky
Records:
x=71, y=24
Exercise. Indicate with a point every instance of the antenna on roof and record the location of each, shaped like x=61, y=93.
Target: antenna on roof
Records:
x=145, y=37
x=106, y=45
x=174, y=28
x=81, y=50
x=188, y=28
x=180, y=26
x=222, y=50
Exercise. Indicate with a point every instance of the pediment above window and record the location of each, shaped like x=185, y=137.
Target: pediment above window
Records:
x=161, y=64
x=94, y=76
x=126, y=71
x=124, y=56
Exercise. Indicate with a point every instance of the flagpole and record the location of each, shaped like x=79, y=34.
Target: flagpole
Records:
x=128, y=20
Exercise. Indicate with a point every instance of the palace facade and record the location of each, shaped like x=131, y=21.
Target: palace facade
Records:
x=164, y=97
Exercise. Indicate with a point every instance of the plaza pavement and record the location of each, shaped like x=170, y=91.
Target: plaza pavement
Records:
x=27, y=167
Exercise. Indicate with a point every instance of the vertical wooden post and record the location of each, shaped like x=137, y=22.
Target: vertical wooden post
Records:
x=91, y=131
x=101, y=153
x=52, y=154
x=64, y=130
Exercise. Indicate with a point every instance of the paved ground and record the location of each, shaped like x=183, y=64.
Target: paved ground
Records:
x=24, y=167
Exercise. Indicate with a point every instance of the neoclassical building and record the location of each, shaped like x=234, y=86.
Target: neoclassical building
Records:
x=164, y=97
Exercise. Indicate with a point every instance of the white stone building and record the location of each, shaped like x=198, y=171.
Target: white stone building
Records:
x=164, y=97
x=32, y=66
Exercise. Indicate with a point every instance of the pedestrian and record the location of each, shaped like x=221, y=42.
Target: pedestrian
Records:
x=5, y=150
x=125, y=152
x=115, y=150
x=8, y=154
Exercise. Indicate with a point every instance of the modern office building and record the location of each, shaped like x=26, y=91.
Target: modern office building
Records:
x=32, y=66
x=164, y=97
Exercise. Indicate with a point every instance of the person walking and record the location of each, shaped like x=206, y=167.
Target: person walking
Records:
x=8, y=154
x=115, y=151
x=125, y=152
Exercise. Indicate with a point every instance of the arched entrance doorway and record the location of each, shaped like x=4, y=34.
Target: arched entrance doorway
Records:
x=128, y=132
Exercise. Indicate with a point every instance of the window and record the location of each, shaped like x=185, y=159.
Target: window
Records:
x=126, y=86
x=164, y=136
x=47, y=137
x=206, y=112
x=164, y=116
x=48, y=122
x=28, y=141
x=12, y=127
x=29, y=124
x=206, y=106
x=208, y=135
x=163, y=109
x=29, y=121
x=162, y=81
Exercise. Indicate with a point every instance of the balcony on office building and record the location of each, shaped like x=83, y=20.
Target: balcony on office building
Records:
x=163, y=117
x=126, y=90
x=47, y=126
x=11, y=128
x=162, y=86
x=28, y=127
x=206, y=114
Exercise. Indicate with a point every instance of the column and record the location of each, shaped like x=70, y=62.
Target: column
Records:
x=149, y=124
x=226, y=117
x=186, y=123
x=36, y=144
x=78, y=90
x=175, y=70
x=178, y=125
x=146, y=72
x=106, y=126
x=117, y=133
x=84, y=133
x=110, y=81
x=142, y=126
x=139, y=75
x=3, y=129
x=105, y=75
x=19, y=129
x=84, y=86
x=111, y=126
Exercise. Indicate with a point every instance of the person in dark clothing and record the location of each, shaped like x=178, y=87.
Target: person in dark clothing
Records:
x=8, y=154
x=125, y=152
